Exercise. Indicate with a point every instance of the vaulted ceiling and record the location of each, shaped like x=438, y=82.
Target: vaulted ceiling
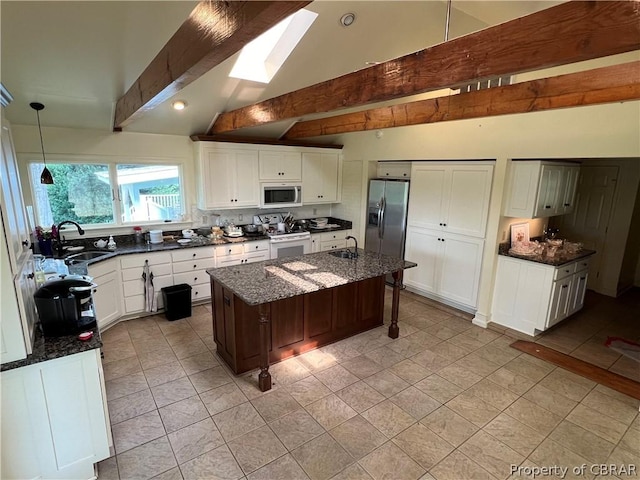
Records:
x=79, y=58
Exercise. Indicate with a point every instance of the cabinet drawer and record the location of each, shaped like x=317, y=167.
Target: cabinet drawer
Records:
x=200, y=292
x=259, y=246
x=193, y=265
x=339, y=235
x=191, y=278
x=332, y=245
x=232, y=249
x=256, y=256
x=582, y=264
x=133, y=288
x=136, y=273
x=155, y=258
x=564, y=271
x=193, y=254
x=229, y=260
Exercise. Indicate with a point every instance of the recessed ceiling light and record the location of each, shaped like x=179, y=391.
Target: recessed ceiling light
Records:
x=347, y=19
x=179, y=105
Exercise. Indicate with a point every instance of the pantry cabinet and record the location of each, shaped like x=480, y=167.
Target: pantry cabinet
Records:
x=449, y=265
x=451, y=198
x=537, y=189
x=321, y=175
x=280, y=165
x=190, y=267
x=227, y=176
x=531, y=297
x=106, y=296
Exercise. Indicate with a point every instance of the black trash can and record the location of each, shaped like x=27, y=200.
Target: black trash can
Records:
x=177, y=301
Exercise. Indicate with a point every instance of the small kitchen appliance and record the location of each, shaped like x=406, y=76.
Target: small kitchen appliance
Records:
x=275, y=195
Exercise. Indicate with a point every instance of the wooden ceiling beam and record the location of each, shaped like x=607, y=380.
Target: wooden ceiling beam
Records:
x=566, y=33
x=616, y=83
x=213, y=32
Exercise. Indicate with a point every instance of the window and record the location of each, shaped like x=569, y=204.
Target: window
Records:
x=107, y=194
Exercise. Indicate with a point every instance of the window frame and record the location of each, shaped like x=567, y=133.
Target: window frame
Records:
x=112, y=165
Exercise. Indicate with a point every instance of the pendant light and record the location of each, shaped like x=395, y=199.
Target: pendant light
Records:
x=45, y=176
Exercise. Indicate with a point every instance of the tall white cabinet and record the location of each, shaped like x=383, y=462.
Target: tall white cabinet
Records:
x=446, y=226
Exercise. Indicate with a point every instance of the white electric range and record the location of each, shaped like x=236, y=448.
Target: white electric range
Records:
x=284, y=243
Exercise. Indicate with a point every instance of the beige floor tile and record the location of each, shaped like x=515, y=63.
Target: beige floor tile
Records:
x=389, y=461
x=491, y=454
x=466, y=341
x=438, y=388
x=622, y=456
x=612, y=407
x=156, y=357
x=118, y=351
x=108, y=469
x=136, y=431
x=431, y=360
x=514, y=434
x=385, y=356
x=362, y=366
x=288, y=372
x=484, y=335
x=415, y=402
x=316, y=360
x=184, y=334
x=180, y=414
x=478, y=365
x=527, y=412
x=633, y=402
x=388, y=418
x=121, y=368
x=237, y=421
x=452, y=427
x=296, y=428
x=631, y=440
x=360, y=396
x=603, y=426
x=208, y=379
x=357, y=436
x=330, y=411
x=423, y=445
x=147, y=460
x=199, y=362
x=322, y=457
x=218, y=463
x=131, y=406
x=450, y=350
x=189, y=348
x=459, y=376
x=284, y=467
x=441, y=331
x=336, y=377
x=410, y=371
x=497, y=354
x=164, y=373
x=308, y=390
x=171, y=392
x=194, y=440
x=275, y=404
x=353, y=472
x=386, y=383
x=123, y=386
x=592, y=352
x=581, y=441
x=527, y=369
x=550, y=399
x=568, y=384
x=626, y=367
x=518, y=384
x=458, y=466
x=551, y=453
x=493, y=394
x=472, y=408
x=256, y=449
x=173, y=474
x=149, y=343
x=222, y=398
x=406, y=346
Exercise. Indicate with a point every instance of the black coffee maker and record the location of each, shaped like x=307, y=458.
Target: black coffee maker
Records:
x=65, y=306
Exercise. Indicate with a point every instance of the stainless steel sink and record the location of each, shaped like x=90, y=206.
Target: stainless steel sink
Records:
x=84, y=256
x=344, y=254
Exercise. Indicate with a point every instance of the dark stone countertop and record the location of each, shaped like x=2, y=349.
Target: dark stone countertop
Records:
x=271, y=280
x=50, y=348
x=556, y=261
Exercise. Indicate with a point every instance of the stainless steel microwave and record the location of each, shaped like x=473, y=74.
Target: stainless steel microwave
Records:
x=280, y=195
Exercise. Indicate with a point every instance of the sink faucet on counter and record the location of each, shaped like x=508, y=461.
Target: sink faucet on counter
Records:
x=355, y=240
x=61, y=238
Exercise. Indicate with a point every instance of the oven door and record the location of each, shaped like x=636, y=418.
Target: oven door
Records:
x=281, y=247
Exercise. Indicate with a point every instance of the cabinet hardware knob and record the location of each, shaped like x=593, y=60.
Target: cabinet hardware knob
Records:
x=444, y=224
x=567, y=271
x=195, y=279
x=547, y=206
x=30, y=275
x=565, y=286
x=567, y=204
x=583, y=278
x=440, y=224
x=227, y=300
x=25, y=243
x=194, y=255
x=195, y=293
x=195, y=266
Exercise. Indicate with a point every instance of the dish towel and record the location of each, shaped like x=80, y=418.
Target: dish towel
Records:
x=149, y=294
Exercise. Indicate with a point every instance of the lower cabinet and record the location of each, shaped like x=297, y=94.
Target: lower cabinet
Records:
x=106, y=297
x=239, y=253
x=190, y=267
x=133, y=285
x=54, y=423
x=332, y=240
x=448, y=265
x=530, y=297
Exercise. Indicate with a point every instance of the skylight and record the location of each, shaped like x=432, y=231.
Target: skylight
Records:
x=261, y=59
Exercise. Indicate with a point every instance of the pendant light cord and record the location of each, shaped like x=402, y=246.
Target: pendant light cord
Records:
x=446, y=27
x=41, y=142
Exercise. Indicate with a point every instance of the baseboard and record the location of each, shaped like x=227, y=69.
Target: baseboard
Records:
x=446, y=301
x=481, y=320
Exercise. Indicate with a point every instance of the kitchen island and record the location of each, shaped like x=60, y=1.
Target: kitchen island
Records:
x=268, y=311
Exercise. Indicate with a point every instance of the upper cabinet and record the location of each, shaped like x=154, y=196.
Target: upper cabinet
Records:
x=228, y=176
x=280, y=165
x=451, y=198
x=541, y=189
x=321, y=175
x=394, y=169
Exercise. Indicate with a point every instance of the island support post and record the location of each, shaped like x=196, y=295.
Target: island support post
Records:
x=394, y=330
x=264, y=377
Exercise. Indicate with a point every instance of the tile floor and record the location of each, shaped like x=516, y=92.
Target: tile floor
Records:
x=446, y=400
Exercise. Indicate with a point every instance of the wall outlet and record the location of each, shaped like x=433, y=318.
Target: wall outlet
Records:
x=240, y=217
x=315, y=211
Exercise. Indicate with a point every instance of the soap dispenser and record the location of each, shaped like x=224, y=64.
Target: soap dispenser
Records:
x=111, y=244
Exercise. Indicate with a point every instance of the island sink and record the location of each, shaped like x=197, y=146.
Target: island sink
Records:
x=344, y=254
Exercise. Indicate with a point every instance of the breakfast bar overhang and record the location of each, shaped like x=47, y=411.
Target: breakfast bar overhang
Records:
x=267, y=311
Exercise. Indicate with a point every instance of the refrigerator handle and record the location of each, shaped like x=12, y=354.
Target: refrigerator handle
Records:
x=383, y=207
x=379, y=205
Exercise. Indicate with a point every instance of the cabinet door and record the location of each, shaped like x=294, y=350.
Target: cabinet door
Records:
x=569, y=187
x=426, y=197
x=106, y=299
x=320, y=177
x=280, y=166
x=549, y=191
x=423, y=247
x=217, y=182
x=459, y=269
x=560, y=301
x=579, y=288
x=467, y=200
x=246, y=179
x=315, y=243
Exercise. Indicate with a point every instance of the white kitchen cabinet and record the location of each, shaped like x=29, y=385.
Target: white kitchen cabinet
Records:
x=315, y=242
x=394, y=169
x=321, y=177
x=239, y=253
x=451, y=198
x=448, y=265
x=333, y=240
x=131, y=268
x=106, y=297
x=531, y=297
x=54, y=424
x=227, y=176
x=537, y=189
x=190, y=267
x=281, y=164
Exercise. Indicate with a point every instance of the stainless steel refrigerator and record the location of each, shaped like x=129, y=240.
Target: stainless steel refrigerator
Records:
x=387, y=218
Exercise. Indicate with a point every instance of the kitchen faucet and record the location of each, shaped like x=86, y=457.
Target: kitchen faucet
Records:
x=355, y=253
x=61, y=238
